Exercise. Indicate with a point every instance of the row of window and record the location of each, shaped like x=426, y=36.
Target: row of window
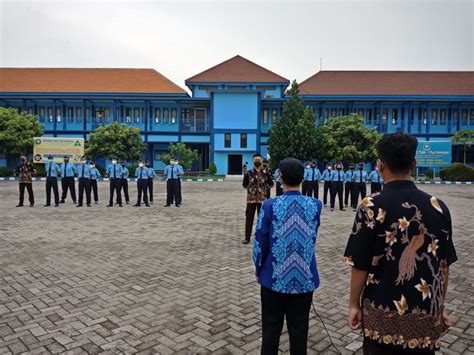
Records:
x=228, y=140
x=265, y=116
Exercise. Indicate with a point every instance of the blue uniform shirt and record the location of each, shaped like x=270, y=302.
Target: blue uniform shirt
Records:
x=375, y=176
x=52, y=169
x=95, y=174
x=171, y=172
x=326, y=175
x=84, y=171
x=277, y=175
x=151, y=173
x=312, y=174
x=348, y=175
x=124, y=173
x=337, y=176
x=114, y=171
x=180, y=169
x=359, y=176
x=283, y=247
x=68, y=170
x=142, y=173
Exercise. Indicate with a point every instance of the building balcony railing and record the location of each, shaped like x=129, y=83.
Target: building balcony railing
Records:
x=194, y=125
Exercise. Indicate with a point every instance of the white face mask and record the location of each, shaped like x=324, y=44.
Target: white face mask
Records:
x=114, y=161
x=83, y=161
x=172, y=162
x=141, y=165
x=308, y=166
x=329, y=168
x=91, y=166
x=176, y=162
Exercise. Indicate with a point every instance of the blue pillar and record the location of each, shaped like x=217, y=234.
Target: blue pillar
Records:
x=458, y=128
x=54, y=118
x=145, y=119
x=178, y=115
x=114, y=109
x=409, y=118
x=84, y=124
x=380, y=118
x=23, y=105
x=428, y=123
x=63, y=113
x=449, y=117
x=92, y=116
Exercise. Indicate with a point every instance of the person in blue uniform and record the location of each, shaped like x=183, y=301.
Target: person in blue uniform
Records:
x=180, y=173
x=276, y=181
x=326, y=177
x=376, y=181
x=268, y=170
x=337, y=186
x=124, y=181
x=52, y=170
x=285, y=261
x=68, y=171
x=312, y=175
x=84, y=175
x=151, y=176
x=141, y=173
x=348, y=185
x=114, y=171
x=95, y=174
x=172, y=177
x=304, y=184
x=360, y=179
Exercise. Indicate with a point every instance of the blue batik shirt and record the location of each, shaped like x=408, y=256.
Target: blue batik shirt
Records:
x=348, y=175
x=283, y=249
x=84, y=171
x=312, y=174
x=68, y=170
x=95, y=174
x=375, y=176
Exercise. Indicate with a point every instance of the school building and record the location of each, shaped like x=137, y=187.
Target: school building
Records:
x=233, y=105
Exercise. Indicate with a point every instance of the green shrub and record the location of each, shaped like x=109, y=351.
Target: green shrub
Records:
x=40, y=172
x=457, y=172
x=4, y=171
x=429, y=173
x=212, y=169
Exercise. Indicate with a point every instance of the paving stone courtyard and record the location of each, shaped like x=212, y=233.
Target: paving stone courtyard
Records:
x=165, y=281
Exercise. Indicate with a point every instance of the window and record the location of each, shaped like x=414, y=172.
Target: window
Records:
x=265, y=116
x=326, y=115
x=227, y=140
x=384, y=118
x=341, y=112
x=166, y=115
x=136, y=115
x=88, y=114
x=442, y=117
x=78, y=114
x=464, y=118
x=368, y=118
x=434, y=117
x=377, y=117
x=58, y=114
x=455, y=117
x=360, y=112
x=274, y=115
x=173, y=116
x=471, y=120
x=41, y=114
x=243, y=140
x=395, y=116
x=333, y=112
x=30, y=110
x=425, y=116
x=157, y=115
x=70, y=114
x=142, y=110
x=412, y=116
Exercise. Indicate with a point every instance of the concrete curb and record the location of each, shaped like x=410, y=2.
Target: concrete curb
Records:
x=106, y=179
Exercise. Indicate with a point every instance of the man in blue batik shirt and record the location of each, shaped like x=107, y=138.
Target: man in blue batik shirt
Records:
x=285, y=261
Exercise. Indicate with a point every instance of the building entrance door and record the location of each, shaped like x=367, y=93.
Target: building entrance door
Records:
x=234, y=165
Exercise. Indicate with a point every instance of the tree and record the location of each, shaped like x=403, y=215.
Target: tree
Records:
x=346, y=139
x=294, y=133
x=17, y=131
x=185, y=155
x=464, y=138
x=116, y=140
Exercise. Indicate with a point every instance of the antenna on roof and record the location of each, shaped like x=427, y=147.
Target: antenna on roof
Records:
x=320, y=63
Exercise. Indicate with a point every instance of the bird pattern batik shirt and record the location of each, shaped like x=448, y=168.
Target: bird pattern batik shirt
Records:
x=284, y=243
x=403, y=237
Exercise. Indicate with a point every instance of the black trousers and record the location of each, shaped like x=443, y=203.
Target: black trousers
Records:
x=304, y=188
x=327, y=188
x=115, y=186
x=349, y=191
x=68, y=183
x=249, y=217
x=337, y=188
x=179, y=196
x=312, y=189
x=279, y=189
x=29, y=187
x=375, y=187
x=172, y=187
x=52, y=183
x=125, y=189
x=275, y=307
x=142, y=187
x=94, y=190
x=150, y=189
x=84, y=186
x=372, y=348
x=359, y=188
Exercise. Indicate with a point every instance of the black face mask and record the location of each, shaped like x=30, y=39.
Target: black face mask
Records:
x=338, y=168
x=361, y=168
x=257, y=164
x=66, y=160
x=23, y=160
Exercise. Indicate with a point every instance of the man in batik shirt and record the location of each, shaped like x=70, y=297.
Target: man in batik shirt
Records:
x=25, y=170
x=257, y=182
x=400, y=249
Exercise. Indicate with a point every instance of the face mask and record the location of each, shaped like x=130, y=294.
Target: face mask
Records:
x=361, y=167
x=176, y=162
x=83, y=161
x=257, y=164
x=172, y=162
x=338, y=168
x=23, y=160
x=66, y=160
x=114, y=161
x=141, y=165
x=329, y=168
x=308, y=166
x=313, y=165
x=91, y=166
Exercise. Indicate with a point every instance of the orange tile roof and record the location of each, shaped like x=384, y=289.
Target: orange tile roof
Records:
x=389, y=83
x=237, y=70
x=82, y=80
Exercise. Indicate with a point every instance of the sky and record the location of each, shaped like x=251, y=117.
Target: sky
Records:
x=183, y=38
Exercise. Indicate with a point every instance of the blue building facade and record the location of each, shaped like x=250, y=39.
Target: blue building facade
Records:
x=233, y=105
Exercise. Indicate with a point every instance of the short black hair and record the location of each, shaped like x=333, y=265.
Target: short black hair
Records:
x=398, y=151
x=292, y=171
x=257, y=155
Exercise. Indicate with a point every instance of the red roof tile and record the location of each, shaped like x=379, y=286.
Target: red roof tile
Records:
x=389, y=83
x=140, y=81
x=237, y=70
